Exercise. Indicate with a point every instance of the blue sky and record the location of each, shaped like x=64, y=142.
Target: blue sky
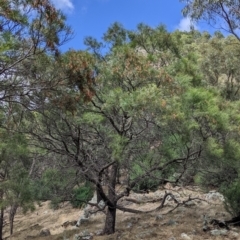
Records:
x=93, y=17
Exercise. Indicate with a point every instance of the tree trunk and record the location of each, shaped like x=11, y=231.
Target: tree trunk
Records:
x=12, y=213
x=99, y=198
x=111, y=211
x=110, y=221
x=1, y=223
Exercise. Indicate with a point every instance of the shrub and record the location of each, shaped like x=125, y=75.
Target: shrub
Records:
x=231, y=194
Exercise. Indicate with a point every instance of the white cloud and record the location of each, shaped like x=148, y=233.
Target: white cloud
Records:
x=185, y=25
x=63, y=4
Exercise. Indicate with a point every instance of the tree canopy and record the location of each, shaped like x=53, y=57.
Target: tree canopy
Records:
x=156, y=107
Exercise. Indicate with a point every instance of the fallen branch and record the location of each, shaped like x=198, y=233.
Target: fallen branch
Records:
x=142, y=202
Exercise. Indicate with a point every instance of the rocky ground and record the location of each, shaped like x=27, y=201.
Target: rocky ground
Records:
x=180, y=218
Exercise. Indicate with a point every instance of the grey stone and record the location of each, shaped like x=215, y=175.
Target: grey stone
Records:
x=44, y=232
x=129, y=225
x=87, y=237
x=159, y=217
x=214, y=196
x=84, y=235
x=98, y=232
x=218, y=232
x=82, y=220
x=171, y=222
x=89, y=210
x=77, y=237
x=205, y=228
x=184, y=236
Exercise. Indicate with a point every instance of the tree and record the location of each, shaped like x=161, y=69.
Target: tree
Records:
x=15, y=188
x=215, y=114
x=224, y=14
x=30, y=34
x=145, y=110
x=125, y=125
x=219, y=65
x=27, y=29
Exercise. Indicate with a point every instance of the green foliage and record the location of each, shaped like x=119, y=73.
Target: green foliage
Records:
x=157, y=106
x=15, y=163
x=215, y=12
x=81, y=195
x=145, y=183
x=55, y=185
x=231, y=194
x=116, y=34
x=151, y=181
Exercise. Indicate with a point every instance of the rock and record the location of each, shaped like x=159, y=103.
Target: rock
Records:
x=218, y=232
x=206, y=228
x=171, y=222
x=98, y=232
x=84, y=235
x=159, y=217
x=129, y=225
x=69, y=223
x=87, y=237
x=77, y=237
x=214, y=196
x=81, y=220
x=44, y=232
x=184, y=236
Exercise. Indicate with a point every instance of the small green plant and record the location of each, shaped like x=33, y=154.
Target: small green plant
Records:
x=231, y=194
x=81, y=195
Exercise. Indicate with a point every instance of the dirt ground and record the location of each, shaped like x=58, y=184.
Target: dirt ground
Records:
x=185, y=222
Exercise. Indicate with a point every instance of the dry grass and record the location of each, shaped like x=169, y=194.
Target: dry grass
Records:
x=184, y=219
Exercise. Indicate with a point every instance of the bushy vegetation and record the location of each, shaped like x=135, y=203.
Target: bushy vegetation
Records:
x=81, y=195
x=160, y=106
x=231, y=194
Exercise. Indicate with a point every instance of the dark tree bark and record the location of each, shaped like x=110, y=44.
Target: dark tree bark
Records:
x=1, y=223
x=111, y=211
x=99, y=197
x=13, y=211
x=110, y=221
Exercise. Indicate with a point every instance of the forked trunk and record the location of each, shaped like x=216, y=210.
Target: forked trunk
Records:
x=111, y=211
